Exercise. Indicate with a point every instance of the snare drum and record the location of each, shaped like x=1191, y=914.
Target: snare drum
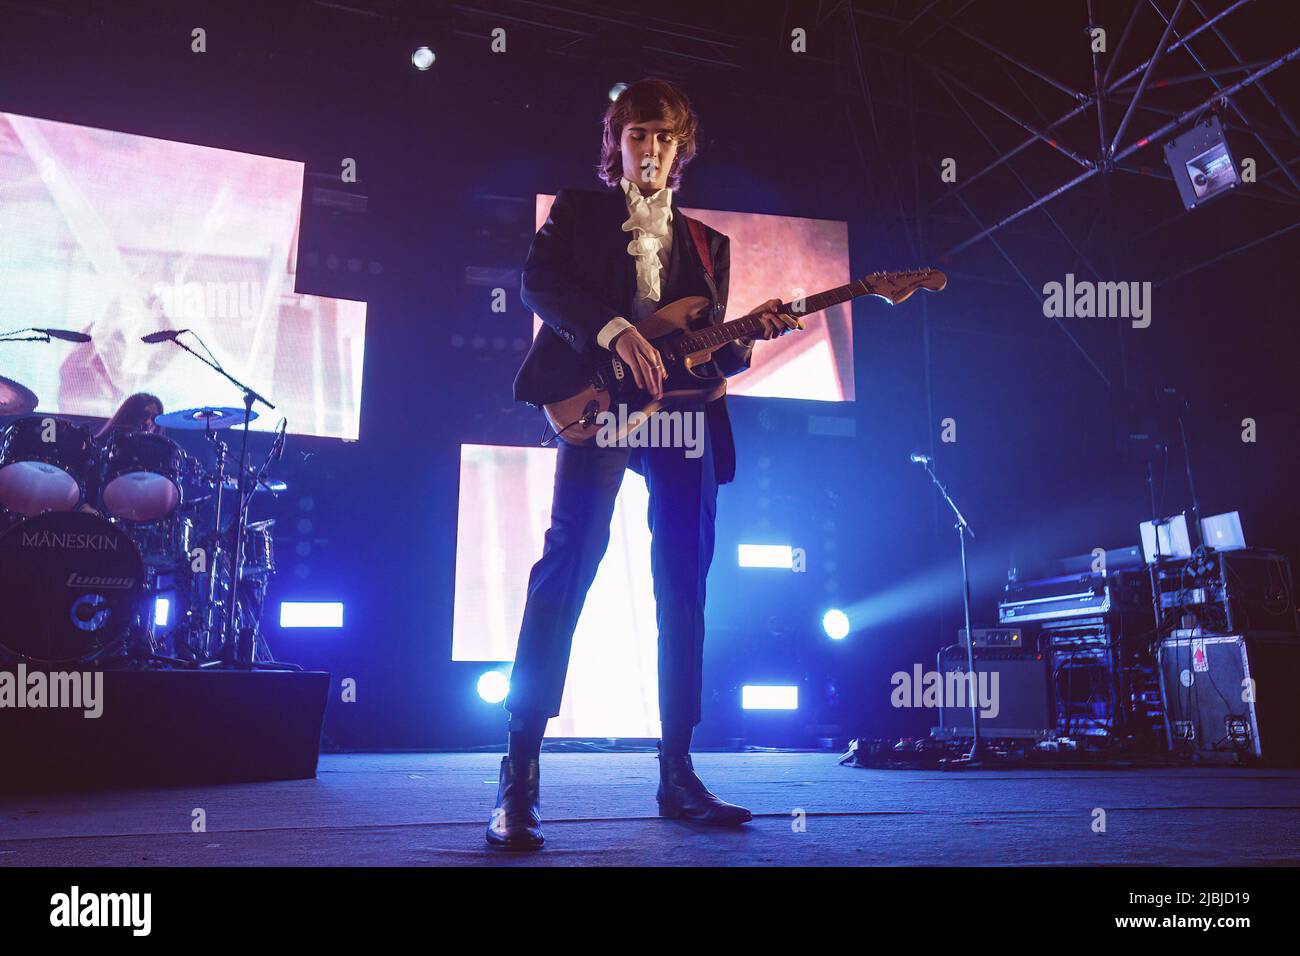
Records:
x=163, y=544
x=259, y=549
x=142, y=476
x=45, y=463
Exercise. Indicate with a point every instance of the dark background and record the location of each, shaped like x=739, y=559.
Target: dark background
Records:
x=449, y=162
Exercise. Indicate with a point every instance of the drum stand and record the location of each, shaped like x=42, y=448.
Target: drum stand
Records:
x=209, y=611
x=212, y=588
x=236, y=649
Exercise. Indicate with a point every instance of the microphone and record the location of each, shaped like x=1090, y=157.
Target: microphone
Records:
x=920, y=459
x=155, y=337
x=277, y=446
x=66, y=334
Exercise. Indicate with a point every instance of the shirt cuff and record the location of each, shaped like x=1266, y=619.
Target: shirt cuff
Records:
x=611, y=329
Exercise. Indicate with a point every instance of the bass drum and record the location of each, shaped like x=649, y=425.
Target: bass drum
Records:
x=71, y=583
x=44, y=465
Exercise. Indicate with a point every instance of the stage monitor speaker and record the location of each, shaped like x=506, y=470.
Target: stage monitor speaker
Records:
x=1232, y=698
x=168, y=727
x=1022, y=701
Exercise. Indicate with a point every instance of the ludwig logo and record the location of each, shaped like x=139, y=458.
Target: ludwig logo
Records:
x=76, y=580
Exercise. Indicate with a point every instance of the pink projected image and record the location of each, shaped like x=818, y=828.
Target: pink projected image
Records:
x=784, y=257
x=613, y=684
x=118, y=235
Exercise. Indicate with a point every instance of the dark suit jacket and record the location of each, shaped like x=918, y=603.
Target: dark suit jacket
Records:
x=578, y=276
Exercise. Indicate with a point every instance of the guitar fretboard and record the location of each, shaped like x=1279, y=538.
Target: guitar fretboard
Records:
x=749, y=326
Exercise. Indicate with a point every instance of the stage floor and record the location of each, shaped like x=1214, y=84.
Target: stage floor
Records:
x=599, y=810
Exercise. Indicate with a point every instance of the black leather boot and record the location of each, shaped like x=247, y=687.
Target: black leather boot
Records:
x=516, y=822
x=683, y=796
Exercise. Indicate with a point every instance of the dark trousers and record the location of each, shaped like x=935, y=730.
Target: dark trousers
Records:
x=683, y=504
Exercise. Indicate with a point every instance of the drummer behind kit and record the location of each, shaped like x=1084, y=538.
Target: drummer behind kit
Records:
x=91, y=534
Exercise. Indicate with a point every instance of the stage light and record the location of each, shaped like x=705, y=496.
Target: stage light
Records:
x=311, y=613
x=161, y=611
x=493, y=686
x=616, y=91
x=769, y=697
x=836, y=624
x=765, y=555
x=422, y=58
x=1201, y=162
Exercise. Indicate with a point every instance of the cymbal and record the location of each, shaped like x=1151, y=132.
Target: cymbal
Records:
x=16, y=399
x=231, y=483
x=201, y=419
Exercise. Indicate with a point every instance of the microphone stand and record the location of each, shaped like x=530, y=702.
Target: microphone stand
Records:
x=1156, y=524
x=231, y=654
x=1196, y=534
x=963, y=528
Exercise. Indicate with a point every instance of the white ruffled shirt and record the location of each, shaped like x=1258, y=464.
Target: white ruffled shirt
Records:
x=650, y=224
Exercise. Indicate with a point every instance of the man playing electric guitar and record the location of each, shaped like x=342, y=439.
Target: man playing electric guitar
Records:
x=602, y=261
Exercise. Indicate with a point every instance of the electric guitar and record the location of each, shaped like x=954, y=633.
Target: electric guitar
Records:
x=685, y=339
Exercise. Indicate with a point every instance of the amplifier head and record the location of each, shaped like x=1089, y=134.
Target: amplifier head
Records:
x=1011, y=637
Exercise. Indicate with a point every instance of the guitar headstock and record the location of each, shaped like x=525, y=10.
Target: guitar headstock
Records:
x=896, y=287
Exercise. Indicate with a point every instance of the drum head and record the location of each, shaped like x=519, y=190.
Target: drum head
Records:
x=142, y=476
x=70, y=583
x=30, y=487
x=141, y=496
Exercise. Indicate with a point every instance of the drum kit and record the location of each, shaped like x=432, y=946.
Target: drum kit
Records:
x=96, y=535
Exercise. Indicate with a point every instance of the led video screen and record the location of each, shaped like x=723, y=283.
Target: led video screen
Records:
x=783, y=257
x=612, y=690
x=118, y=235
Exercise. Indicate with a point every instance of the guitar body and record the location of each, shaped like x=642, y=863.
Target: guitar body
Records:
x=690, y=377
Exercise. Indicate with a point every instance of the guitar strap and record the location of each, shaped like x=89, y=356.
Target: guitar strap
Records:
x=724, y=457
x=701, y=244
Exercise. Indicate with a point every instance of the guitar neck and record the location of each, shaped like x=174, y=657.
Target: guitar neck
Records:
x=749, y=326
